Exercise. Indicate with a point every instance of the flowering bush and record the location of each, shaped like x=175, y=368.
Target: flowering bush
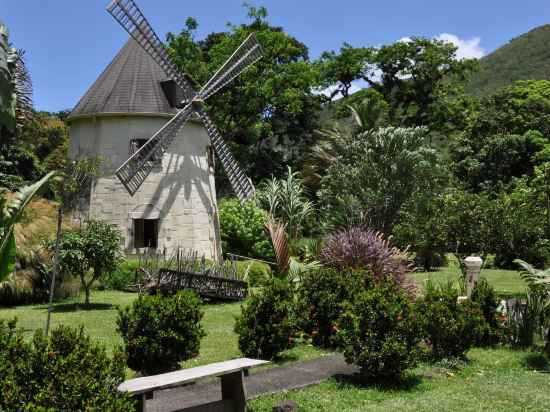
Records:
x=366, y=249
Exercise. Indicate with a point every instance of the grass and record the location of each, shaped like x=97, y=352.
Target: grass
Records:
x=505, y=282
x=493, y=379
x=99, y=320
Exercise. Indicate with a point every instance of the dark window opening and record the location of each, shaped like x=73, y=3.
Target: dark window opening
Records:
x=174, y=94
x=136, y=144
x=145, y=233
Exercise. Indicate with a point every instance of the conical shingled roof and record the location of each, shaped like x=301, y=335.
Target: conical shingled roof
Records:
x=130, y=84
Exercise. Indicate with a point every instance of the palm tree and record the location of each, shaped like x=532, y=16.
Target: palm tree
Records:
x=15, y=87
x=368, y=113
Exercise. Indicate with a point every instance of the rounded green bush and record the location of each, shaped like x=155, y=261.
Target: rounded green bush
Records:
x=266, y=326
x=449, y=328
x=243, y=229
x=322, y=298
x=486, y=297
x=379, y=332
x=63, y=372
x=159, y=332
x=257, y=273
x=122, y=278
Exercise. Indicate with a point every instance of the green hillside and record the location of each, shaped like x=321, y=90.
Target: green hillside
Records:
x=525, y=57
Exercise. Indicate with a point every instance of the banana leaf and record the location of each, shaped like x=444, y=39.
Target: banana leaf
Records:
x=10, y=214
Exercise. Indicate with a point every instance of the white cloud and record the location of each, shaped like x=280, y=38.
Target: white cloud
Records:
x=466, y=48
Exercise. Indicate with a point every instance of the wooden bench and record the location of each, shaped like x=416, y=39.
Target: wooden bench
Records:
x=232, y=384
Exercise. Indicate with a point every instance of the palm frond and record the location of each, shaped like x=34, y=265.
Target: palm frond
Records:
x=280, y=243
x=533, y=276
x=23, y=90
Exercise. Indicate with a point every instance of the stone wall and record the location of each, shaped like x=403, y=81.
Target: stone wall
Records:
x=180, y=192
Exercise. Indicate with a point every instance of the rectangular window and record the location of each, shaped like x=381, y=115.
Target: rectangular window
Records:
x=145, y=233
x=136, y=144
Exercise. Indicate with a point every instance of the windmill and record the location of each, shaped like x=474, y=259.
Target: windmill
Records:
x=133, y=172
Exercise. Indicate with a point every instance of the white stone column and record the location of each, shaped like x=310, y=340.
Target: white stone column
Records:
x=473, y=267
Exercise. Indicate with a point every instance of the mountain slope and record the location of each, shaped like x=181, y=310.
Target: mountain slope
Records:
x=525, y=57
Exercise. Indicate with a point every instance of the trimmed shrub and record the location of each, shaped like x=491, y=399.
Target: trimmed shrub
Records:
x=243, y=229
x=267, y=325
x=449, y=328
x=257, y=272
x=65, y=372
x=379, y=332
x=160, y=332
x=122, y=278
x=322, y=298
x=485, y=296
x=368, y=250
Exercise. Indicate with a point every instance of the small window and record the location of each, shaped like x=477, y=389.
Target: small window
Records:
x=146, y=233
x=136, y=144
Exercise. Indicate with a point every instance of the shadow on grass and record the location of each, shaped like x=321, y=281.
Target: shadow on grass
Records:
x=536, y=361
x=407, y=383
x=78, y=306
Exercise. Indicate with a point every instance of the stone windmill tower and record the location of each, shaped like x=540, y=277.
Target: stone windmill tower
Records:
x=142, y=113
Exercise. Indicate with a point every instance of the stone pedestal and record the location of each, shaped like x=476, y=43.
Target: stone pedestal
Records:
x=473, y=267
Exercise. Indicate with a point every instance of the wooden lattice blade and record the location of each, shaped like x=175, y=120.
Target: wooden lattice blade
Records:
x=246, y=54
x=240, y=183
x=130, y=17
x=136, y=169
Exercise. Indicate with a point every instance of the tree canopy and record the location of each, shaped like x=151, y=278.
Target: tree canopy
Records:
x=269, y=113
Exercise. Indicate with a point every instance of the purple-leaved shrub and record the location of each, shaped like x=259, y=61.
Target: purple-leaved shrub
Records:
x=365, y=249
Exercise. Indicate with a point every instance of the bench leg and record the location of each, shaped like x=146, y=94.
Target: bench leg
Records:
x=233, y=388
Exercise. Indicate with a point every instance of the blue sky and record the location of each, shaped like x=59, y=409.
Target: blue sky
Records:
x=69, y=42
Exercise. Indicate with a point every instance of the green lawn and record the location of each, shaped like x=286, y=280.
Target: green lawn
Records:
x=505, y=282
x=220, y=342
x=493, y=380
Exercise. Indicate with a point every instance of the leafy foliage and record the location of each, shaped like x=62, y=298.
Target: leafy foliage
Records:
x=379, y=332
x=275, y=126
x=450, y=328
x=159, y=332
x=416, y=77
x=376, y=173
x=11, y=212
x=286, y=201
x=243, y=229
x=485, y=296
x=267, y=324
x=339, y=71
x=66, y=371
x=95, y=247
x=323, y=296
x=122, y=277
x=365, y=249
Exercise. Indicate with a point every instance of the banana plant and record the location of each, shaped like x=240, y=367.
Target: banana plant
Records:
x=11, y=211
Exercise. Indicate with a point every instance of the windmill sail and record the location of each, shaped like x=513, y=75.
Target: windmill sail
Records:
x=135, y=170
x=130, y=17
x=246, y=54
x=239, y=181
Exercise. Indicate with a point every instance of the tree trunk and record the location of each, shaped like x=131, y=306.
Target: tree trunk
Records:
x=87, y=292
x=55, y=265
